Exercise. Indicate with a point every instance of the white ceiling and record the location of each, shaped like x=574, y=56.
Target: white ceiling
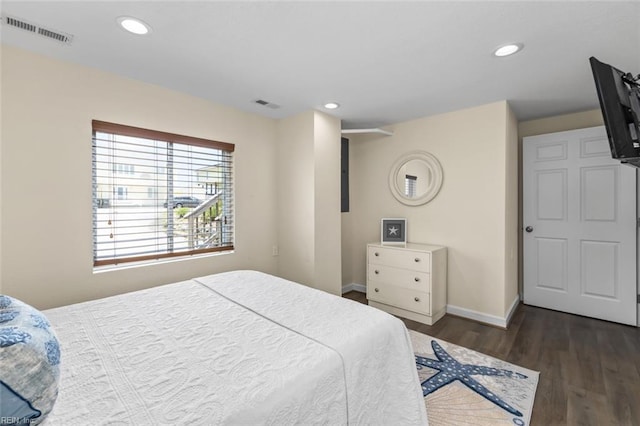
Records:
x=384, y=62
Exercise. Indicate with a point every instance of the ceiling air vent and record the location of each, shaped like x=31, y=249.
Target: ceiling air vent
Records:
x=37, y=29
x=267, y=104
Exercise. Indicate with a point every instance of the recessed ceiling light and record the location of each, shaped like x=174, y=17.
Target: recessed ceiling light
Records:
x=331, y=105
x=134, y=25
x=508, y=49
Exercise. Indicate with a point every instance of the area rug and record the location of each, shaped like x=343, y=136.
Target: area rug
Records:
x=465, y=387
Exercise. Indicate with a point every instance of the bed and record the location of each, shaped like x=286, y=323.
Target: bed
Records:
x=240, y=347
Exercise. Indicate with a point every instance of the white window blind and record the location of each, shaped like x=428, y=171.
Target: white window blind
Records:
x=410, y=186
x=158, y=194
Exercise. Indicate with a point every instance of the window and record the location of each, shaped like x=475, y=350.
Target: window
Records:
x=121, y=193
x=158, y=194
x=123, y=168
x=410, y=185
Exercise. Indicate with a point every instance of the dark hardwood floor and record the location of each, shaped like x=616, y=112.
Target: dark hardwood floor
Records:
x=589, y=369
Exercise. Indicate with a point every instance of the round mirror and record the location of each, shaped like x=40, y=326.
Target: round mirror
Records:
x=415, y=178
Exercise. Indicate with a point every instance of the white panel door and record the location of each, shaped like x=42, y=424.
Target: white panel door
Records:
x=579, y=219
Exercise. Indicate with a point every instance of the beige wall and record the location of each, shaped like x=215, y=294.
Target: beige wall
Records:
x=309, y=199
x=512, y=191
x=47, y=108
x=474, y=213
x=1, y=290
x=295, y=194
x=560, y=123
x=328, y=249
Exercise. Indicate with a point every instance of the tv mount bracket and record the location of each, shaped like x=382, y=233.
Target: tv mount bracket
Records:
x=629, y=78
x=635, y=112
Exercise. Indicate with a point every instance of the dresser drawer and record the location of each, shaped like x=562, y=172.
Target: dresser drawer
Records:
x=406, y=259
x=411, y=300
x=405, y=278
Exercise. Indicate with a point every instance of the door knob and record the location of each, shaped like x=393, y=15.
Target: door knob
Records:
x=529, y=229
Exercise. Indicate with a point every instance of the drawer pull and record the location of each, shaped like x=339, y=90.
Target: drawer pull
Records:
x=416, y=279
x=417, y=259
x=417, y=299
x=377, y=290
x=376, y=254
x=376, y=272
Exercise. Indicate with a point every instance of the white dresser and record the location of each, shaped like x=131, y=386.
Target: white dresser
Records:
x=409, y=281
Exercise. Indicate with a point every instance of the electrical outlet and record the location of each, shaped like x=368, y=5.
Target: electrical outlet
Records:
x=274, y=251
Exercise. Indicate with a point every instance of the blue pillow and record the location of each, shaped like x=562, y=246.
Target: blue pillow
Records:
x=29, y=364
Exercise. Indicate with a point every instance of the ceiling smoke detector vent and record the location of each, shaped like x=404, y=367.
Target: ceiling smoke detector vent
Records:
x=267, y=104
x=37, y=29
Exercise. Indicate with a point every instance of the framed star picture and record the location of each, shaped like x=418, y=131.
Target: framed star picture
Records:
x=393, y=231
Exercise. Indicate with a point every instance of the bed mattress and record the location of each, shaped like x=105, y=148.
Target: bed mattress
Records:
x=241, y=347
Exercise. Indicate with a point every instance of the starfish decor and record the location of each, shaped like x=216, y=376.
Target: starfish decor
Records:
x=450, y=370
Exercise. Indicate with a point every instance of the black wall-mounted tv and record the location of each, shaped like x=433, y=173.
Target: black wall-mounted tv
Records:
x=619, y=95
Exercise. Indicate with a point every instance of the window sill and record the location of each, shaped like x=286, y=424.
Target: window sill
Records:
x=146, y=263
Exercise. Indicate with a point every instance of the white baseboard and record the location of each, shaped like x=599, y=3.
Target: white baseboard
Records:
x=456, y=310
x=485, y=318
x=354, y=287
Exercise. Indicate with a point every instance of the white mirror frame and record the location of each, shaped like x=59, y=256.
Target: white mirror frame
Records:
x=434, y=186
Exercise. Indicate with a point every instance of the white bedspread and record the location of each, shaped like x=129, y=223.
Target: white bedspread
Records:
x=235, y=348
